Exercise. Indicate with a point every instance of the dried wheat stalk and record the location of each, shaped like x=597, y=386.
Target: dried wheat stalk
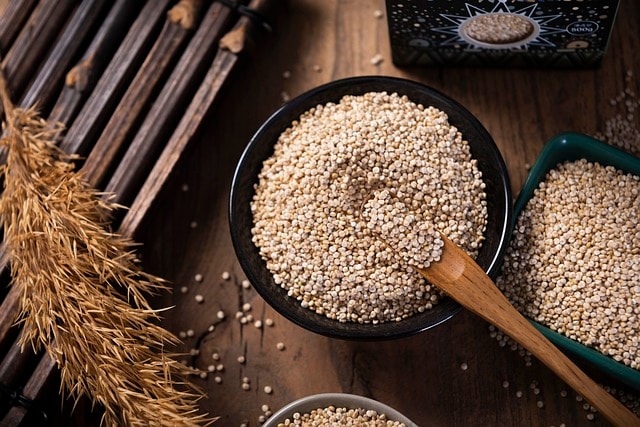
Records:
x=81, y=290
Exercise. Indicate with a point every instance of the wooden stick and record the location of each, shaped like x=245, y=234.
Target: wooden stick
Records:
x=12, y=20
x=82, y=78
x=166, y=110
x=9, y=310
x=32, y=390
x=137, y=98
x=15, y=362
x=115, y=79
x=51, y=73
x=223, y=64
x=33, y=43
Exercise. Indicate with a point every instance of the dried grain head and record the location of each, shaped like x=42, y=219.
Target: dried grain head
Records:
x=81, y=289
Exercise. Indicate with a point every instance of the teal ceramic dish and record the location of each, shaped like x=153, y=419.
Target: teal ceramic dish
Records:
x=569, y=147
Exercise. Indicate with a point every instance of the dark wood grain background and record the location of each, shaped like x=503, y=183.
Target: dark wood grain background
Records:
x=186, y=233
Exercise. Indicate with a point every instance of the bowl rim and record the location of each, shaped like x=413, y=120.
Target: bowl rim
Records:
x=299, y=104
x=347, y=400
x=571, y=146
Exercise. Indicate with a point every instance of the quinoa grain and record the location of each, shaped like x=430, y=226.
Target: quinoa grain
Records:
x=337, y=416
x=574, y=260
x=307, y=204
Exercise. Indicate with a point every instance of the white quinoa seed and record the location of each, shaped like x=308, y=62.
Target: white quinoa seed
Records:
x=198, y=277
x=306, y=208
x=220, y=314
x=377, y=59
x=574, y=260
x=280, y=346
x=199, y=299
x=268, y=389
x=268, y=321
x=226, y=275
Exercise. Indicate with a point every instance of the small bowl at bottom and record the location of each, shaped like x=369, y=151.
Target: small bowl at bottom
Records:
x=339, y=400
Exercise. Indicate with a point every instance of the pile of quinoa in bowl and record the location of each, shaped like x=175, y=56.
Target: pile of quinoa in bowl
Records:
x=338, y=409
x=297, y=199
x=573, y=263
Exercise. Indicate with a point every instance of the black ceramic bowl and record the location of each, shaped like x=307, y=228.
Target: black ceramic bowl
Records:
x=260, y=147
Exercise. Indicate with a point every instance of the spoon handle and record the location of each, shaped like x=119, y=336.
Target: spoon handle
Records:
x=463, y=280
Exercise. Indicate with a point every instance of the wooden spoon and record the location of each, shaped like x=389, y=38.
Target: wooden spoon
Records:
x=458, y=275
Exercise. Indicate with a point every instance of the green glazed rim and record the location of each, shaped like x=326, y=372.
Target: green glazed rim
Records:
x=571, y=146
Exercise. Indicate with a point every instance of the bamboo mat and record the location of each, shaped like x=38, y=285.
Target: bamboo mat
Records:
x=131, y=82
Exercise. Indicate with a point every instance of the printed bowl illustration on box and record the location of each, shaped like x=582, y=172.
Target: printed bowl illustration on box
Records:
x=307, y=404
x=261, y=147
x=525, y=33
x=570, y=147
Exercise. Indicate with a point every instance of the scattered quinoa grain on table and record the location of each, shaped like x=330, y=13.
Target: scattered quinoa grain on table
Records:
x=574, y=260
x=307, y=203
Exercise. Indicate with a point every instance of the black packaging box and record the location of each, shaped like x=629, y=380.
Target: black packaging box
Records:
x=519, y=33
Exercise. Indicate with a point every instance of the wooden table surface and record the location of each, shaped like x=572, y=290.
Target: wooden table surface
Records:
x=187, y=234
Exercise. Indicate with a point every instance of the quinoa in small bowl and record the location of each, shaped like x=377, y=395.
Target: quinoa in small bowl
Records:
x=299, y=187
x=337, y=409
